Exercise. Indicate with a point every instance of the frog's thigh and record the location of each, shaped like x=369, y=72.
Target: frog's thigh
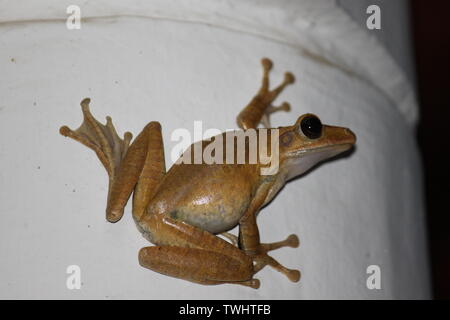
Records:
x=152, y=172
x=196, y=255
x=143, y=161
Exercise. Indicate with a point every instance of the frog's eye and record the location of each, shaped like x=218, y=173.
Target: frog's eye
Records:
x=311, y=127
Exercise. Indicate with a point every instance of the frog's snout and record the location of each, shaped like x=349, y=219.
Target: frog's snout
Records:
x=350, y=136
x=338, y=136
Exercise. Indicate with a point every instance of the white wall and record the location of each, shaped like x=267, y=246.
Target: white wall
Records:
x=188, y=61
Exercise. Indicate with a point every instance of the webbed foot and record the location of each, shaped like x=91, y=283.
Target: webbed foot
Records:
x=103, y=139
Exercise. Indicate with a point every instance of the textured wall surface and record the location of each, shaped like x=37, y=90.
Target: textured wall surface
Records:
x=177, y=63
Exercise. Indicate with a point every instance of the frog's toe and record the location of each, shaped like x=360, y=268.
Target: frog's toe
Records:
x=252, y=283
x=294, y=275
x=267, y=63
x=262, y=260
x=285, y=106
x=291, y=241
x=289, y=78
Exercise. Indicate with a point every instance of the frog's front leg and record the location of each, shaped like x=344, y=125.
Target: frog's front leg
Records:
x=139, y=166
x=187, y=252
x=260, y=107
x=249, y=240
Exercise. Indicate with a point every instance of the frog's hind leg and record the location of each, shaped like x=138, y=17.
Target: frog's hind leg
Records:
x=260, y=107
x=197, y=265
x=103, y=139
x=192, y=254
x=126, y=165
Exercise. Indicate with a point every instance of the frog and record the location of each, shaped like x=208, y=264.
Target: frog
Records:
x=188, y=211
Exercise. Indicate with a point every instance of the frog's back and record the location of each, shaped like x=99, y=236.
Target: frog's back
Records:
x=211, y=197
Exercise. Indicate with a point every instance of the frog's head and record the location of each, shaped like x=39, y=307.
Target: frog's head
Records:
x=308, y=142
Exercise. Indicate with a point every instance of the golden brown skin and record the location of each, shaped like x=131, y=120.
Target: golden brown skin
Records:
x=183, y=210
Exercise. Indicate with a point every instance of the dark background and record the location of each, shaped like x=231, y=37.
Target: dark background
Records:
x=431, y=26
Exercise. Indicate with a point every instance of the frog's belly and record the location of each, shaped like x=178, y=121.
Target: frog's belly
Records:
x=210, y=197
x=215, y=218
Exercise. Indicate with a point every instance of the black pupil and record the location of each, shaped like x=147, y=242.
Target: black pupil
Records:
x=311, y=127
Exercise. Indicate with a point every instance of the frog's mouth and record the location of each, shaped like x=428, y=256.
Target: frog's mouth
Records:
x=299, y=162
x=326, y=151
x=333, y=149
